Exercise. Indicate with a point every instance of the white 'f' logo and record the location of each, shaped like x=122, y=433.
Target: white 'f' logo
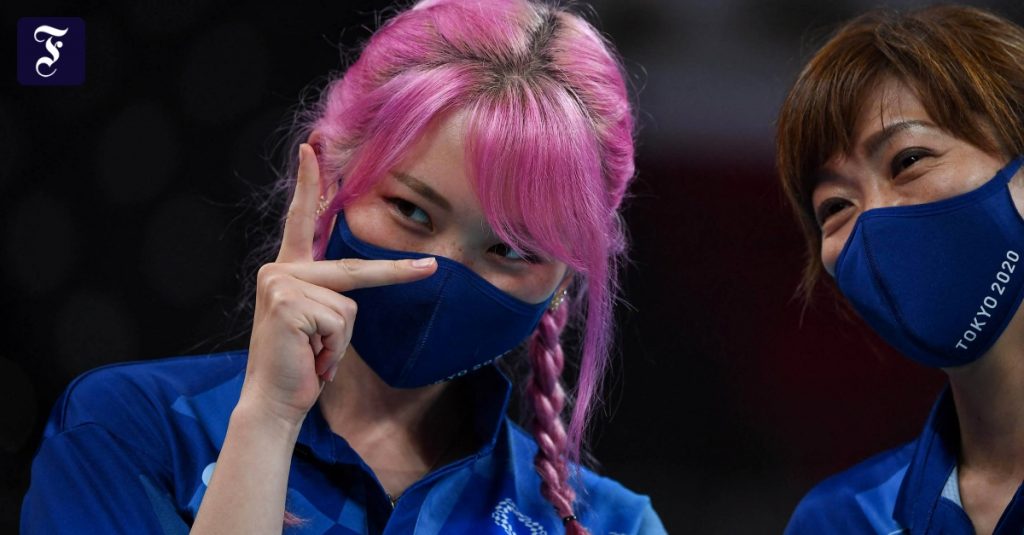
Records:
x=51, y=47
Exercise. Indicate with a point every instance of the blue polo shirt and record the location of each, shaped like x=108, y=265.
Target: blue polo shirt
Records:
x=910, y=489
x=129, y=448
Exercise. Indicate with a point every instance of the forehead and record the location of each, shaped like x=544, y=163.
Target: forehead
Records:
x=438, y=159
x=889, y=102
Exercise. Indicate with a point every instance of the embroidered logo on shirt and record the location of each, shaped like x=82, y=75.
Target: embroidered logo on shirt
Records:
x=502, y=519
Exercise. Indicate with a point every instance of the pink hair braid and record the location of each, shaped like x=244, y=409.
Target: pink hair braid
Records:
x=546, y=395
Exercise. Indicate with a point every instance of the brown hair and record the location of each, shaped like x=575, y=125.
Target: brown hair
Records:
x=966, y=64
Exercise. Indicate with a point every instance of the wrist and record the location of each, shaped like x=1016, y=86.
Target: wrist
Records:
x=265, y=420
x=247, y=491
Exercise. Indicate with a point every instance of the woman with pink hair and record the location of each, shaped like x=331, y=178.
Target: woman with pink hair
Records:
x=456, y=194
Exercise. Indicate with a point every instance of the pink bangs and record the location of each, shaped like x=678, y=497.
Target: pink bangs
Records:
x=539, y=180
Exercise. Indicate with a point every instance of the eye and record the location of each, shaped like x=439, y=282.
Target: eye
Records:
x=830, y=207
x=504, y=251
x=411, y=211
x=907, y=158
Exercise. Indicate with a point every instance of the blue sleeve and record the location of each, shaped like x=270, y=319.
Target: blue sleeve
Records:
x=650, y=523
x=85, y=480
x=835, y=506
x=804, y=521
x=858, y=500
x=827, y=510
x=618, y=509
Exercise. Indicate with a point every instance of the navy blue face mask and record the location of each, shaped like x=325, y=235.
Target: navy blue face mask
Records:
x=434, y=329
x=939, y=281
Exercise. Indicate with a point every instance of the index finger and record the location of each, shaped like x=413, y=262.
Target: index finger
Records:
x=297, y=241
x=353, y=273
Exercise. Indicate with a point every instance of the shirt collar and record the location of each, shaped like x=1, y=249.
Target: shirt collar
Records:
x=933, y=461
x=488, y=391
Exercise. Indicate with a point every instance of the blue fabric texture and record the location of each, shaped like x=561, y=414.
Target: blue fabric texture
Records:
x=939, y=281
x=130, y=448
x=434, y=329
x=900, y=491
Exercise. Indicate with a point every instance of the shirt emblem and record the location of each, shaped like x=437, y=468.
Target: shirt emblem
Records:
x=506, y=512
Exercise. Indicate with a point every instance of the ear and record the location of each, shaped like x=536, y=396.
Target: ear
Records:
x=328, y=186
x=567, y=279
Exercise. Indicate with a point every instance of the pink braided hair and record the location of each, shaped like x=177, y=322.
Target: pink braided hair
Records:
x=547, y=397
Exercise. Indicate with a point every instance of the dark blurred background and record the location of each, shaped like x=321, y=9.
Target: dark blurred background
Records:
x=125, y=217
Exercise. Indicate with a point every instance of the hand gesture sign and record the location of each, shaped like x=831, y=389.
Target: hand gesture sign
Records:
x=302, y=324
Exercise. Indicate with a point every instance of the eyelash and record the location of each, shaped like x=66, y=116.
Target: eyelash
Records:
x=825, y=210
x=502, y=250
x=407, y=209
x=913, y=152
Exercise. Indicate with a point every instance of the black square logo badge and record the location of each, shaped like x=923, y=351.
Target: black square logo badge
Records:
x=51, y=51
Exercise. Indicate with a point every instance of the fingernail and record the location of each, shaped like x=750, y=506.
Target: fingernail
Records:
x=334, y=371
x=423, y=262
x=301, y=156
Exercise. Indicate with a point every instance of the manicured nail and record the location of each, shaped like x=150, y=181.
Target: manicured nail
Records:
x=423, y=262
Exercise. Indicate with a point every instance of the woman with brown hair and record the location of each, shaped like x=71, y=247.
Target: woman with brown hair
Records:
x=898, y=147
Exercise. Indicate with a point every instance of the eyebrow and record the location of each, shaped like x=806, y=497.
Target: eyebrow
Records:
x=423, y=189
x=875, y=141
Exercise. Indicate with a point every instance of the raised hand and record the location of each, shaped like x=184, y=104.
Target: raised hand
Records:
x=302, y=324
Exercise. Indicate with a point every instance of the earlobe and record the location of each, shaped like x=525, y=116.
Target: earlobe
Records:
x=1016, y=187
x=829, y=268
x=563, y=287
